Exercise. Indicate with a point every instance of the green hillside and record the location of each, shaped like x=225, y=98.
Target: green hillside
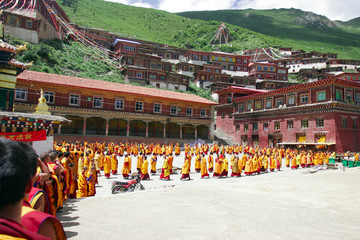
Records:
x=160, y=26
x=71, y=59
x=300, y=29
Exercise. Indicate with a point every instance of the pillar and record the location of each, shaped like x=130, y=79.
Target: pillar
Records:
x=84, y=126
x=107, y=127
x=212, y=123
x=59, y=129
x=147, y=129
x=181, y=131
x=128, y=127
x=196, y=132
x=164, y=129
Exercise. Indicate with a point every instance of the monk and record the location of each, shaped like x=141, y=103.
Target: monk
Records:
x=107, y=165
x=235, y=170
x=170, y=161
x=153, y=164
x=15, y=180
x=139, y=162
x=165, y=171
x=211, y=163
x=38, y=221
x=144, y=170
x=198, y=163
x=114, y=164
x=218, y=167
x=185, y=171
x=126, y=167
x=82, y=184
x=204, y=172
x=225, y=168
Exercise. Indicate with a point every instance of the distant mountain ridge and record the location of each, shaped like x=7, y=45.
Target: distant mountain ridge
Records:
x=301, y=29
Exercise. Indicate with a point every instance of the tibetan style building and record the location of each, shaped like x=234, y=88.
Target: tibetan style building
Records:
x=107, y=111
x=319, y=114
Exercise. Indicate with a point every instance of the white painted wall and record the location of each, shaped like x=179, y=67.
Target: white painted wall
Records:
x=26, y=35
x=43, y=146
x=295, y=68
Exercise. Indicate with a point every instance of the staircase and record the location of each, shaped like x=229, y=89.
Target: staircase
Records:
x=223, y=138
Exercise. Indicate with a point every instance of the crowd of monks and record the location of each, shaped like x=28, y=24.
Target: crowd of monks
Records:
x=76, y=167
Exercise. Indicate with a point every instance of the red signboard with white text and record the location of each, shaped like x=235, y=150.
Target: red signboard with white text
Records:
x=26, y=136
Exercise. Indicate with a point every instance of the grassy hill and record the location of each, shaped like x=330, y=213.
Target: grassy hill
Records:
x=300, y=29
x=160, y=26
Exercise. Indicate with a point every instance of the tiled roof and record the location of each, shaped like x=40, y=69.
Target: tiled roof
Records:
x=7, y=47
x=235, y=89
x=77, y=82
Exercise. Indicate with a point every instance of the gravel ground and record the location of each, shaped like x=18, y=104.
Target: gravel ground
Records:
x=280, y=205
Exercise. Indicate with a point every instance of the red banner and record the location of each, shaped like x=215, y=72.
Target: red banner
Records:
x=26, y=136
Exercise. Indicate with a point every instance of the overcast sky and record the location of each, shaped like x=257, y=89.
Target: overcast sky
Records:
x=334, y=9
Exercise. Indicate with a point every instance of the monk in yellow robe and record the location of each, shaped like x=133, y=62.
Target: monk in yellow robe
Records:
x=177, y=150
x=126, y=167
x=165, y=171
x=211, y=163
x=265, y=163
x=107, y=165
x=235, y=171
x=185, y=171
x=139, y=162
x=243, y=161
x=82, y=184
x=272, y=163
x=225, y=168
x=170, y=161
x=144, y=170
x=114, y=164
x=204, y=172
x=80, y=164
x=91, y=181
x=218, y=166
x=198, y=163
x=287, y=160
x=249, y=169
x=153, y=162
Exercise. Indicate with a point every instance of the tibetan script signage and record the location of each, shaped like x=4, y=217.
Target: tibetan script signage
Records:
x=26, y=136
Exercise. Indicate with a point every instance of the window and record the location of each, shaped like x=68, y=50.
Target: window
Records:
x=49, y=96
x=74, y=100
x=320, y=122
x=278, y=102
x=348, y=96
x=129, y=48
x=290, y=124
x=255, y=127
x=258, y=105
x=268, y=103
x=321, y=96
x=202, y=113
x=246, y=127
x=344, y=122
x=139, y=106
x=97, y=103
x=20, y=94
x=266, y=126
x=355, y=123
x=304, y=98
x=152, y=76
x=119, y=104
x=188, y=111
x=266, y=68
x=139, y=75
x=173, y=110
x=282, y=71
x=157, y=108
x=240, y=107
x=29, y=24
x=249, y=106
x=304, y=123
x=357, y=99
x=258, y=68
x=277, y=126
x=237, y=128
x=195, y=56
x=162, y=77
x=291, y=100
x=338, y=95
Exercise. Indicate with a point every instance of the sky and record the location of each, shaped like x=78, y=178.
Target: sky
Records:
x=343, y=10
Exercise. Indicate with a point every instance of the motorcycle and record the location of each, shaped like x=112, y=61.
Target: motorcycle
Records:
x=130, y=186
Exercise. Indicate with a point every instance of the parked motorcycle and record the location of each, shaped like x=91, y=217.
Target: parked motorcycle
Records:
x=130, y=186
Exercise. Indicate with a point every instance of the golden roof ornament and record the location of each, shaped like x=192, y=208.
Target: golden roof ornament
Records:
x=42, y=107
